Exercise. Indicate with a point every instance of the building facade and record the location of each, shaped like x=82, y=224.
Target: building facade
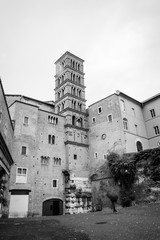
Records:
x=6, y=160
x=57, y=145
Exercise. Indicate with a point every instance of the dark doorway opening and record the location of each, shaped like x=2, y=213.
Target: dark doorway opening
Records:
x=139, y=146
x=52, y=207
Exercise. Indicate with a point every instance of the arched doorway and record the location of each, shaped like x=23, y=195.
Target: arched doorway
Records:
x=139, y=146
x=52, y=207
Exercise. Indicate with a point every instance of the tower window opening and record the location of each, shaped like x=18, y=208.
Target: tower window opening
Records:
x=58, y=109
x=52, y=120
x=79, y=80
x=73, y=120
x=59, y=81
x=78, y=67
x=81, y=122
x=62, y=106
x=53, y=139
x=79, y=106
x=49, y=139
x=63, y=64
x=73, y=104
x=62, y=78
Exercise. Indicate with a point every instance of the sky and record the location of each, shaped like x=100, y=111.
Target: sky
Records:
x=118, y=39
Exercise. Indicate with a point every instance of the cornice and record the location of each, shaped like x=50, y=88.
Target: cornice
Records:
x=67, y=53
x=73, y=110
x=69, y=81
x=76, y=144
x=70, y=95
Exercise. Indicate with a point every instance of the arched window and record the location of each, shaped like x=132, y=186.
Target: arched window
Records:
x=139, y=146
x=78, y=67
x=63, y=64
x=125, y=123
x=73, y=120
x=74, y=90
x=63, y=106
x=79, y=106
x=49, y=139
x=59, y=109
x=59, y=95
x=81, y=121
x=79, y=79
x=53, y=139
x=52, y=121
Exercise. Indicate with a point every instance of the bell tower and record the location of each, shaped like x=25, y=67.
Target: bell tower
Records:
x=70, y=102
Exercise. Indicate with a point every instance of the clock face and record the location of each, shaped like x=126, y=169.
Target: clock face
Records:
x=103, y=136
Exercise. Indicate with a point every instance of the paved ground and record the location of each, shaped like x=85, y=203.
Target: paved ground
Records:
x=138, y=223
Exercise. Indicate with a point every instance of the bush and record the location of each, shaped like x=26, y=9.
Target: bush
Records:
x=126, y=197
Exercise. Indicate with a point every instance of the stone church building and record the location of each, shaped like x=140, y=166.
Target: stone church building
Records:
x=58, y=144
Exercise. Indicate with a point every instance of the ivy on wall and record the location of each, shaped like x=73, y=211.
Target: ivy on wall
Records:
x=124, y=170
x=3, y=200
x=149, y=161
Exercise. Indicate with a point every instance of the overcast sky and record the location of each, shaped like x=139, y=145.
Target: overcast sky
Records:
x=118, y=39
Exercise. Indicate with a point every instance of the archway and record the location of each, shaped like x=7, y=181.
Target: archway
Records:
x=52, y=207
x=139, y=146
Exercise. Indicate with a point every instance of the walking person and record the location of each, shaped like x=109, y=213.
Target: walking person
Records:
x=113, y=196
